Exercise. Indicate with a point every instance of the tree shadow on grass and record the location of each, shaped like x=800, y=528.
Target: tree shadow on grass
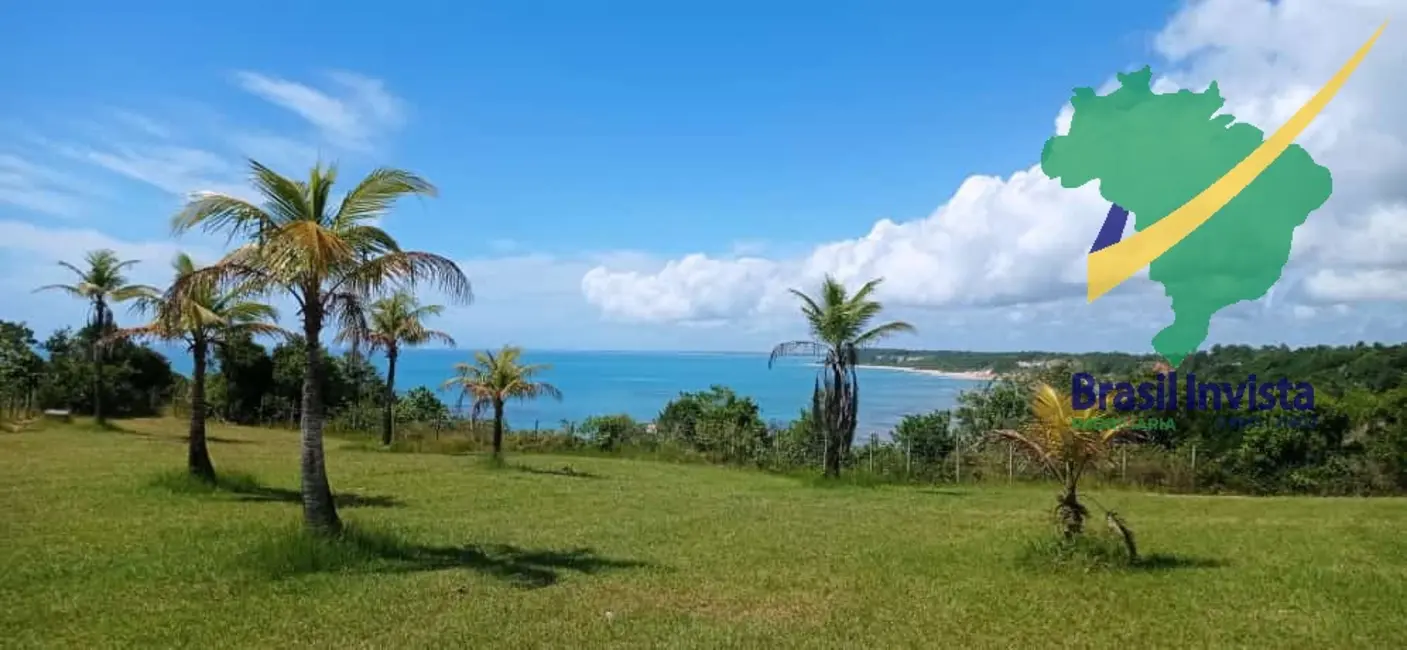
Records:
x=343, y=500
x=1168, y=561
x=299, y=552
x=182, y=439
x=223, y=441
x=565, y=470
x=247, y=487
x=943, y=492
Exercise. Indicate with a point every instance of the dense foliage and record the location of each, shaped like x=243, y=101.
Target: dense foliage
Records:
x=135, y=380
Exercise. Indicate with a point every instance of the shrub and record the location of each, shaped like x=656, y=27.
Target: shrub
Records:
x=611, y=432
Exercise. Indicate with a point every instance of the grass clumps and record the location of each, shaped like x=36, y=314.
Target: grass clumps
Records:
x=292, y=551
x=1081, y=553
x=1089, y=553
x=183, y=482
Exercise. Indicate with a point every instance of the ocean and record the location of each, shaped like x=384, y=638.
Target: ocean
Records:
x=639, y=384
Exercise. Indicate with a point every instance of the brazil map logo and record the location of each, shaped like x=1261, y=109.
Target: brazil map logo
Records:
x=1215, y=207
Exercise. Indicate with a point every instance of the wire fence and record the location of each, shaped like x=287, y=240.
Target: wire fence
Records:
x=777, y=447
x=781, y=447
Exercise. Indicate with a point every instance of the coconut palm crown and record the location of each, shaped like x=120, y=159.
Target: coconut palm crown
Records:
x=330, y=257
x=103, y=284
x=390, y=324
x=840, y=324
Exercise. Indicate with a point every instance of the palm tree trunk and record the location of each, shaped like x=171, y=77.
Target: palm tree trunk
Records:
x=319, y=510
x=98, y=386
x=834, y=422
x=198, y=454
x=390, y=400
x=498, y=428
x=832, y=469
x=98, y=383
x=1071, y=512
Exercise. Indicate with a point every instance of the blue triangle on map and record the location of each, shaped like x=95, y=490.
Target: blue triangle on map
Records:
x=1113, y=229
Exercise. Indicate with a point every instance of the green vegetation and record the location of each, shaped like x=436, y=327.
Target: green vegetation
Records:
x=647, y=553
x=444, y=553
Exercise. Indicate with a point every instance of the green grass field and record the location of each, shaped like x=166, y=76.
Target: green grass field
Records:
x=100, y=551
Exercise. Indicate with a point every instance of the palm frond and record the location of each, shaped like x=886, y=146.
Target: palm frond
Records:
x=285, y=200
x=426, y=336
x=215, y=212
x=406, y=270
x=797, y=348
x=375, y=194
x=76, y=271
x=882, y=332
x=863, y=294
x=66, y=288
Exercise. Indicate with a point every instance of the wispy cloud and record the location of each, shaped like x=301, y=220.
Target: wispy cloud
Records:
x=191, y=148
x=31, y=186
x=143, y=124
x=353, y=113
x=173, y=169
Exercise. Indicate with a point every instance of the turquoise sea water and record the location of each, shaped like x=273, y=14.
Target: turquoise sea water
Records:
x=641, y=383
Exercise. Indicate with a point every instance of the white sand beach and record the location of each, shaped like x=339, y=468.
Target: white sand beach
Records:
x=973, y=375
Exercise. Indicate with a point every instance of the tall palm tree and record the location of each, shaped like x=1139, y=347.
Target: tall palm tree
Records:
x=840, y=325
x=102, y=285
x=1054, y=436
x=201, y=314
x=493, y=379
x=330, y=258
x=390, y=323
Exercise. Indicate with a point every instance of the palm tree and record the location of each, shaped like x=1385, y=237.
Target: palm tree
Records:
x=840, y=325
x=390, y=323
x=493, y=379
x=330, y=258
x=102, y=285
x=1057, y=437
x=201, y=315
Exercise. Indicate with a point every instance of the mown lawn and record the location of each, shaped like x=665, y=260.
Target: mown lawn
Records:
x=639, y=554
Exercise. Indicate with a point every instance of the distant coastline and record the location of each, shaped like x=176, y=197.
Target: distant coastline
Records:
x=964, y=375
x=968, y=375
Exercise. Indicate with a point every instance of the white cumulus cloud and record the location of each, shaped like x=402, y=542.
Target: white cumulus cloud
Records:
x=1022, y=239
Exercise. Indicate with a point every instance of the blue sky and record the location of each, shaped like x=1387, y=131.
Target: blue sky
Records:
x=572, y=138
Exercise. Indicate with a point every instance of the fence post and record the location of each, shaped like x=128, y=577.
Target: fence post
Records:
x=1010, y=462
x=1124, y=463
x=873, y=440
x=908, y=458
x=957, y=461
x=1194, y=466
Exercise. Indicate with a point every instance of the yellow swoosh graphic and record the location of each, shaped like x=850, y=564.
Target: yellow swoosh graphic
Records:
x=1112, y=265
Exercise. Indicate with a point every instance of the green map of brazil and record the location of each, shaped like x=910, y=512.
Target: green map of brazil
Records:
x=1151, y=153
